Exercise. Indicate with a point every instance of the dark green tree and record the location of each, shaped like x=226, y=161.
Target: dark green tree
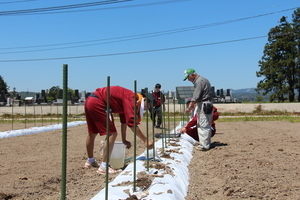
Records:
x=56, y=92
x=278, y=65
x=3, y=86
x=53, y=93
x=296, y=25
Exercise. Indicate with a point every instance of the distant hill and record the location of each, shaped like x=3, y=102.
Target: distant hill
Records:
x=246, y=91
x=247, y=95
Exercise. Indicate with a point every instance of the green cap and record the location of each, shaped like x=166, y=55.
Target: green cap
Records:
x=187, y=73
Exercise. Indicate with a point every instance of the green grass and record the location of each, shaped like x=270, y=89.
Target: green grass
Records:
x=257, y=115
x=293, y=119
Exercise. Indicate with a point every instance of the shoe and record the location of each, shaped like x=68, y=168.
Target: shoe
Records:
x=158, y=127
x=197, y=143
x=89, y=164
x=103, y=171
x=200, y=148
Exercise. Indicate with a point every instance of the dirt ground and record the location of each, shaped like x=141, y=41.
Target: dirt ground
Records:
x=248, y=160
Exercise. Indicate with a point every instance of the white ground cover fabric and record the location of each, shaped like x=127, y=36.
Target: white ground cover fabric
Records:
x=168, y=187
x=33, y=130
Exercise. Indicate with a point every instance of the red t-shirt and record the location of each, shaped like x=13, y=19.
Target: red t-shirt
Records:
x=121, y=101
x=191, y=128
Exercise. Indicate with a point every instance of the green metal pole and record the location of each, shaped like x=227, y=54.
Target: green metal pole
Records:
x=174, y=111
x=25, y=116
x=134, y=150
x=42, y=114
x=64, y=134
x=162, y=130
x=147, y=125
x=34, y=115
x=107, y=136
x=12, y=116
x=51, y=114
x=169, y=130
x=153, y=124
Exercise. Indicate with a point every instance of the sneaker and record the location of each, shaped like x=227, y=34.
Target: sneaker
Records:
x=197, y=143
x=158, y=127
x=200, y=148
x=102, y=170
x=89, y=164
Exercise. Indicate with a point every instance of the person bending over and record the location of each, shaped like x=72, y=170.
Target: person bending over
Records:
x=121, y=101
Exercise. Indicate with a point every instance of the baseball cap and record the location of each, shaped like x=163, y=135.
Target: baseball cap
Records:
x=158, y=86
x=187, y=73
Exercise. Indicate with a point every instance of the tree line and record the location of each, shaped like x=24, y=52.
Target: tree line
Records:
x=51, y=94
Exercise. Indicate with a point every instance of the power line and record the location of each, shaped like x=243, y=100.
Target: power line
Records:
x=109, y=8
x=55, y=8
x=20, y=1
x=133, y=52
x=134, y=37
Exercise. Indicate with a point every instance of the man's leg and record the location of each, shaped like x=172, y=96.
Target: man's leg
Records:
x=204, y=127
x=112, y=139
x=90, y=140
x=159, y=117
x=105, y=165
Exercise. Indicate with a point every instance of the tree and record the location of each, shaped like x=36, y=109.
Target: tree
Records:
x=56, y=92
x=53, y=93
x=279, y=63
x=3, y=86
x=296, y=24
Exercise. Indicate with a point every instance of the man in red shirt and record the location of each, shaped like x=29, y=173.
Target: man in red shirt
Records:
x=121, y=101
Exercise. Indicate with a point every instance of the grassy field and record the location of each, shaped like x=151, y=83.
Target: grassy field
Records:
x=257, y=115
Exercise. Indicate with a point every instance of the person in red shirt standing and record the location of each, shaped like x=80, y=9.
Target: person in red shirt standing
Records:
x=121, y=101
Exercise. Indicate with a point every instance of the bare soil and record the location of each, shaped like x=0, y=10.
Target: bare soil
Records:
x=248, y=160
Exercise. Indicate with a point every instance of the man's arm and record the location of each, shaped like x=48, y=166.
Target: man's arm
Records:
x=123, y=133
x=142, y=137
x=191, y=106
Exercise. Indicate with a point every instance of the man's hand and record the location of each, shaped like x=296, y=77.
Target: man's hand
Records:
x=127, y=144
x=190, y=107
x=188, y=110
x=149, y=145
x=182, y=130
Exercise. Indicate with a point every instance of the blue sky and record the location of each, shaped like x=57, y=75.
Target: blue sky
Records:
x=118, y=40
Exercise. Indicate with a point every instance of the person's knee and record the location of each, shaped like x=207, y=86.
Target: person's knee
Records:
x=114, y=134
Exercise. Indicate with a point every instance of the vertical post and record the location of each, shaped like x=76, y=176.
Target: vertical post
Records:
x=57, y=116
x=12, y=116
x=174, y=112
x=34, y=115
x=25, y=115
x=51, y=114
x=153, y=124
x=134, y=150
x=42, y=115
x=163, y=139
x=147, y=125
x=107, y=135
x=64, y=133
x=169, y=118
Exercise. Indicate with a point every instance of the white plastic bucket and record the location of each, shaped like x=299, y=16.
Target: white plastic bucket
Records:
x=117, y=156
